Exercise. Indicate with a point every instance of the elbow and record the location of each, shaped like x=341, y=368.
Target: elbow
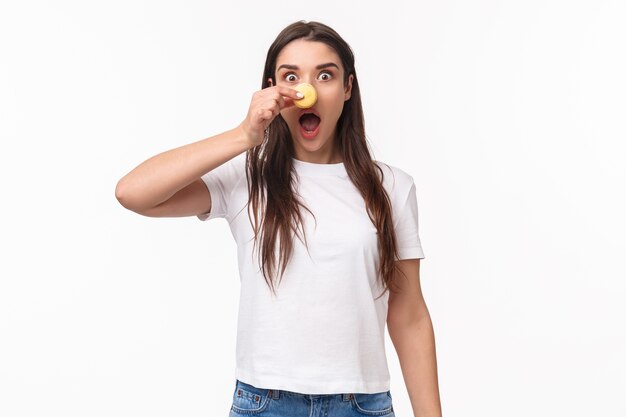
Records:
x=131, y=199
x=122, y=195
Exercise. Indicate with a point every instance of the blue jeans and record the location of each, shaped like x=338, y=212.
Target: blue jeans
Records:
x=251, y=401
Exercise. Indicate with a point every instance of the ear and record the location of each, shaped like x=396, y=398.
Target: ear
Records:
x=270, y=81
x=348, y=89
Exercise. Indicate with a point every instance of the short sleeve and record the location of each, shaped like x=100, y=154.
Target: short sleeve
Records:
x=220, y=182
x=407, y=228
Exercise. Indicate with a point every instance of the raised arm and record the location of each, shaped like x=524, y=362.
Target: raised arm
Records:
x=169, y=184
x=175, y=175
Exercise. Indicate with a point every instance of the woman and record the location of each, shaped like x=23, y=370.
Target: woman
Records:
x=323, y=232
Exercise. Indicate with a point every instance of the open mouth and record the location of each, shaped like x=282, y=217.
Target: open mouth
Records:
x=309, y=122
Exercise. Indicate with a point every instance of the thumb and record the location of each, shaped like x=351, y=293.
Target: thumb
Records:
x=289, y=102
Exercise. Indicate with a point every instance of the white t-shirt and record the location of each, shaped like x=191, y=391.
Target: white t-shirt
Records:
x=323, y=333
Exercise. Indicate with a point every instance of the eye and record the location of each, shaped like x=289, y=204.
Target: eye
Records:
x=324, y=76
x=330, y=75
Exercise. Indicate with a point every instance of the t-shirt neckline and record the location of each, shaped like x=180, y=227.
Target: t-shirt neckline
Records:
x=311, y=168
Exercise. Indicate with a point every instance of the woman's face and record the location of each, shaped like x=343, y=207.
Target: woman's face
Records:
x=316, y=63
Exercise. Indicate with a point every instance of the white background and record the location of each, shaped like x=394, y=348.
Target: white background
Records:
x=509, y=115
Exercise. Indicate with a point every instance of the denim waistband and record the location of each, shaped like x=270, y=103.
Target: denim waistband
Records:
x=275, y=393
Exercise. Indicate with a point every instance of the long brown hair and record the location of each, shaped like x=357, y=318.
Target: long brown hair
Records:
x=269, y=167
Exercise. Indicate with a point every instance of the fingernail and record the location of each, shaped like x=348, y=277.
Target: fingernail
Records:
x=300, y=95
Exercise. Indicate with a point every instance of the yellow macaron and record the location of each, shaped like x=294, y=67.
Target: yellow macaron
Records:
x=310, y=95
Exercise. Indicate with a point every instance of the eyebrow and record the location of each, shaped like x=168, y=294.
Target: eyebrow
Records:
x=321, y=66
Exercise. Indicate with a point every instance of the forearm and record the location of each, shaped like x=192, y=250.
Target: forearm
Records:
x=415, y=346
x=160, y=177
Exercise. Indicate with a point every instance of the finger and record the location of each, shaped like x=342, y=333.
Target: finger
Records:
x=289, y=92
x=275, y=111
x=273, y=104
x=262, y=116
x=288, y=102
x=267, y=115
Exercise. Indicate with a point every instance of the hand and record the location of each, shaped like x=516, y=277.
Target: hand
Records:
x=266, y=104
